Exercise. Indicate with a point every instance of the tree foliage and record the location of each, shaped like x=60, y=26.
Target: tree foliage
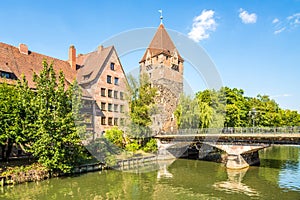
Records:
x=42, y=121
x=231, y=108
x=56, y=141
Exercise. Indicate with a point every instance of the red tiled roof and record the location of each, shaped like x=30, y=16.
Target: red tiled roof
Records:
x=11, y=60
x=161, y=44
x=91, y=64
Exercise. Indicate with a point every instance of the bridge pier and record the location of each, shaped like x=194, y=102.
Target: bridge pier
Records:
x=240, y=156
x=236, y=162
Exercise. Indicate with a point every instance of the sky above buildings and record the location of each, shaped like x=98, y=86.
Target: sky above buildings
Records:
x=254, y=44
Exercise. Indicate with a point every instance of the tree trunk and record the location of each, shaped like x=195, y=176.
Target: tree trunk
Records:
x=3, y=152
x=9, y=149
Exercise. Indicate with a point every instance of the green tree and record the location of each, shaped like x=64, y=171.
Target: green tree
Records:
x=141, y=100
x=216, y=101
x=142, y=105
x=8, y=116
x=56, y=143
x=192, y=113
x=116, y=136
x=16, y=116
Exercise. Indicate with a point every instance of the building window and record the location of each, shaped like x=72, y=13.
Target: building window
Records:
x=121, y=95
x=122, y=121
x=112, y=66
x=103, y=105
x=7, y=75
x=110, y=93
x=110, y=120
x=175, y=67
x=122, y=108
x=115, y=94
x=108, y=80
x=103, y=92
x=109, y=108
x=116, y=108
x=103, y=120
x=87, y=104
x=116, y=121
x=116, y=81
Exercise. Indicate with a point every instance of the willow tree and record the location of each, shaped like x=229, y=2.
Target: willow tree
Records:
x=192, y=114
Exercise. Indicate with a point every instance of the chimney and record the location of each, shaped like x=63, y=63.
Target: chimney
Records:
x=23, y=49
x=100, y=48
x=72, y=57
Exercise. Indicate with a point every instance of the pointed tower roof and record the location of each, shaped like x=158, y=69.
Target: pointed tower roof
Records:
x=161, y=44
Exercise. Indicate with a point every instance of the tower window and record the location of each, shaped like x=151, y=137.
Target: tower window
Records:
x=175, y=67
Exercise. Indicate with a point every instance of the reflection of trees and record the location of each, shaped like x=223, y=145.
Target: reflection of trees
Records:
x=276, y=158
x=108, y=185
x=191, y=180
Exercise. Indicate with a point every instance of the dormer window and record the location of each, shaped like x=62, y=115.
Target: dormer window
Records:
x=112, y=66
x=8, y=75
x=87, y=76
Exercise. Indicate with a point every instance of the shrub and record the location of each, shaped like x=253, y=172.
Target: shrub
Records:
x=151, y=146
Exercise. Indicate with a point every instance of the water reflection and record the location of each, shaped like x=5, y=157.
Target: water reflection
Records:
x=289, y=176
x=163, y=169
x=277, y=178
x=234, y=183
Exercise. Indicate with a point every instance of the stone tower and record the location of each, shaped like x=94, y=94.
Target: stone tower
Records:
x=164, y=66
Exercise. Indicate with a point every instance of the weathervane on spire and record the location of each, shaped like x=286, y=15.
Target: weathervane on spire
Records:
x=161, y=17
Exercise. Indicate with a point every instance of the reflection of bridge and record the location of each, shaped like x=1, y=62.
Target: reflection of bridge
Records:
x=240, y=144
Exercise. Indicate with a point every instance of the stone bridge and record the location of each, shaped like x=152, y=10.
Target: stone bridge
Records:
x=240, y=144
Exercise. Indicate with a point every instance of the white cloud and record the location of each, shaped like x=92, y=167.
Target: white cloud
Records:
x=291, y=22
x=276, y=20
x=202, y=24
x=281, y=95
x=246, y=17
x=279, y=30
x=294, y=19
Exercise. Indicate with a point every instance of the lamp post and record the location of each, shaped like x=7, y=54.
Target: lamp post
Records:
x=252, y=113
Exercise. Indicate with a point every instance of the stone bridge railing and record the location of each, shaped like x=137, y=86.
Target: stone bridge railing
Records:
x=237, y=130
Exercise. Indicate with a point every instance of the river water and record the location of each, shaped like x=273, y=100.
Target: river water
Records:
x=278, y=177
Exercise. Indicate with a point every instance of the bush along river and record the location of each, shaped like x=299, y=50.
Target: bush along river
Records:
x=277, y=177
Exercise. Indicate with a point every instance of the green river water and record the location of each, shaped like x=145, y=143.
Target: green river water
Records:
x=278, y=177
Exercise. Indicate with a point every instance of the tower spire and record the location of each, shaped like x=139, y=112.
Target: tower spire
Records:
x=161, y=17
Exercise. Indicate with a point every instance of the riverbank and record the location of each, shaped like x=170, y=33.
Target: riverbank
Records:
x=36, y=172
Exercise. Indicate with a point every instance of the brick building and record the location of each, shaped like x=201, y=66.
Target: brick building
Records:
x=164, y=66
x=99, y=73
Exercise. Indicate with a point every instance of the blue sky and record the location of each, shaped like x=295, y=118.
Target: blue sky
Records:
x=254, y=44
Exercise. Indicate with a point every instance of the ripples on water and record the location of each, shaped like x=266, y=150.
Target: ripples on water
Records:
x=278, y=177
